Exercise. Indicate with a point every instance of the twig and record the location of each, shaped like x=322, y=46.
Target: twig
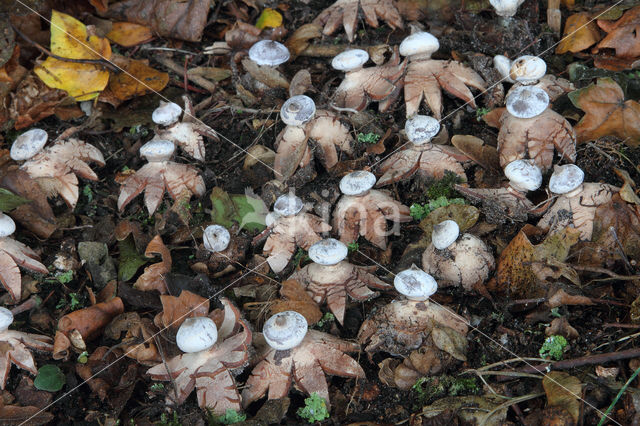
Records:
x=104, y=62
x=581, y=361
x=200, y=81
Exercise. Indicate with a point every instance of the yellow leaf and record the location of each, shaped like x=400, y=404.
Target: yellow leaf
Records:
x=128, y=34
x=269, y=18
x=82, y=81
x=71, y=39
x=580, y=32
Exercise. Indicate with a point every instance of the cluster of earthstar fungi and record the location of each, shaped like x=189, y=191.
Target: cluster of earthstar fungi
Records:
x=287, y=351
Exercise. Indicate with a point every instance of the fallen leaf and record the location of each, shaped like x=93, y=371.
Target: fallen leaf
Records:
x=10, y=201
x=210, y=73
x=580, y=32
x=515, y=273
x=15, y=415
x=71, y=39
x=623, y=34
x=563, y=391
x=478, y=151
x=177, y=309
x=295, y=298
x=153, y=276
x=128, y=34
x=627, y=192
x=168, y=18
x=8, y=68
x=33, y=100
x=624, y=219
x=137, y=79
x=301, y=38
x=474, y=409
x=269, y=18
x=606, y=113
x=246, y=210
x=130, y=260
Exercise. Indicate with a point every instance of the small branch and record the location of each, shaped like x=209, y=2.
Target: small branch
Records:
x=200, y=81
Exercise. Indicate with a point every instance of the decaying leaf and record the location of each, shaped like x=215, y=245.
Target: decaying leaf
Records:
x=181, y=20
x=138, y=341
x=606, y=112
x=622, y=34
x=305, y=364
x=247, y=210
x=295, y=298
x=478, y=151
x=137, y=78
x=13, y=254
x=16, y=415
x=153, y=276
x=333, y=283
x=83, y=81
x=563, y=391
x=85, y=324
x=367, y=215
x=580, y=32
x=177, y=309
x=55, y=168
x=345, y=12
x=475, y=409
x=33, y=100
x=515, y=273
x=427, y=360
x=210, y=371
x=128, y=34
x=500, y=204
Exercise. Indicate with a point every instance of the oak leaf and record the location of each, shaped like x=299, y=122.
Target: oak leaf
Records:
x=606, y=113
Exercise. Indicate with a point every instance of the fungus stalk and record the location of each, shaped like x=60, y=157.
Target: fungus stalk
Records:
x=506, y=10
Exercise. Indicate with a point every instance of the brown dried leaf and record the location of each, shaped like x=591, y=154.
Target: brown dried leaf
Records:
x=33, y=101
x=296, y=299
x=181, y=20
x=606, y=112
x=177, y=309
x=301, y=38
x=478, y=151
x=13, y=254
x=265, y=74
x=622, y=34
x=15, y=415
x=153, y=276
x=580, y=32
x=563, y=391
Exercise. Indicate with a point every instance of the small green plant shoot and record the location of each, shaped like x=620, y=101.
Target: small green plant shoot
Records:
x=315, y=409
x=368, y=138
x=419, y=212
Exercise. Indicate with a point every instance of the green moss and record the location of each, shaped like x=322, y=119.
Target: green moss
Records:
x=444, y=186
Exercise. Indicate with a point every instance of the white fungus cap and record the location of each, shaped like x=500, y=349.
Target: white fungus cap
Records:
x=269, y=52
x=421, y=129
x=166, y=114
x=527, y=101
x=566, y=178
x=7, y=225
x=157, y=150
x=216, y=238
x=523, y=175
x=506, y=8
x=28, y=144
x=285, y=330
x=350, y=60
x=196, y=334
x=528, y=69
x=328, y=252
x=6, y=318
x=415, y=284
x=503, y=65
x=298, y=110
x=422, y=43
x=357, y=183
x=444, y=234
x=287, y=205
